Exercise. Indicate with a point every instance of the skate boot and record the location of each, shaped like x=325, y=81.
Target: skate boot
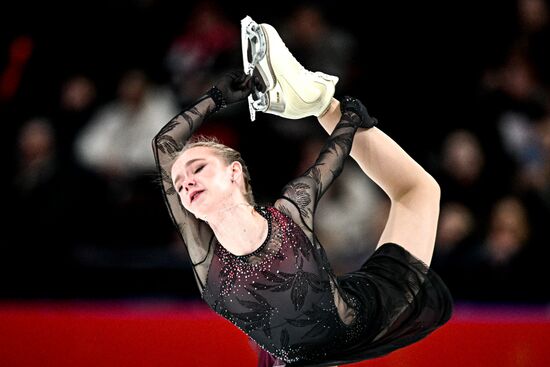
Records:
x=290, y=90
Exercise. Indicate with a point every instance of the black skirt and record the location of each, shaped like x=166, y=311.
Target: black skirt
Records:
x=400, y=300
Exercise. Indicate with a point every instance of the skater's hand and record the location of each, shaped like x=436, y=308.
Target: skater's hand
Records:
x=355, y=112
x=235, y=86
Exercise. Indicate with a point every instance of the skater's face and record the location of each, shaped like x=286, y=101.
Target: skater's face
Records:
x=205, y=182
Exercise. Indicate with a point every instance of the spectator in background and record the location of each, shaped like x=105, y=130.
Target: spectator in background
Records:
x=515, y=91
x=116, y=145
x=532, y=152
x=51, y=204
x=522, y=103
x=77, y=103
x=502, y=267
x=534, y=35
x=40, y=207
x=195, y=55
x=465, y=176
x=36, y=154
x=116, y=142
x=455, y=237
x=533, y=186
x=509, y=123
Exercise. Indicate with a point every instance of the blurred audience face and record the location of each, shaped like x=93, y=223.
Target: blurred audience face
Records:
x=518, y=78
x=132, y=88
x=462, y=156
x=533, y=14
x=36, y=140
x=509, y=229
x=307, y=24
x=205, y=16
x=77, y=94
x=455, y=224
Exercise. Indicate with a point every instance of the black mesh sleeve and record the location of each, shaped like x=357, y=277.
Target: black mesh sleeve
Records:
x=167, y=145
x=305, y=191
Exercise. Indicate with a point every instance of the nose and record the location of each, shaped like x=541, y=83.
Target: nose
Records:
x=188, y=183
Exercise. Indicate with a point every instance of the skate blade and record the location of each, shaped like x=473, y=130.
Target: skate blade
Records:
x=254, y=52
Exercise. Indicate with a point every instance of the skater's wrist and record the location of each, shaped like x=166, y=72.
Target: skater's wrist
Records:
x=355, y=112
x=217, y=97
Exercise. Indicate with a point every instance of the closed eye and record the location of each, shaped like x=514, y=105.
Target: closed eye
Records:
x=200, y=168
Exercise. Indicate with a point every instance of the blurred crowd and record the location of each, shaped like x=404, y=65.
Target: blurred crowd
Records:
x=85, y=214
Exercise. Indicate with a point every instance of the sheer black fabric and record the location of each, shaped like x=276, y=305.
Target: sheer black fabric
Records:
x=285, y=295
x=167, y=144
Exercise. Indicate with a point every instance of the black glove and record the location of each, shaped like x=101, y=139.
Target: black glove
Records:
x=232, y=87
x=355, y=112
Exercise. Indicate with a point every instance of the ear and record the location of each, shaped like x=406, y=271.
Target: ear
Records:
x=236, y=171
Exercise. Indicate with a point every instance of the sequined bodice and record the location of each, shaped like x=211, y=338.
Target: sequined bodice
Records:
x=280, y=295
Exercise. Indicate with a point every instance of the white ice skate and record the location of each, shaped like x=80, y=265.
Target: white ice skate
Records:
x=291, y=91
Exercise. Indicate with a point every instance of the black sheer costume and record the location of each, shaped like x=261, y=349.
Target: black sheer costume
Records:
x=284, y=295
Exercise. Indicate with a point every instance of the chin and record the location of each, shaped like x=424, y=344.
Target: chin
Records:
x=200, y=211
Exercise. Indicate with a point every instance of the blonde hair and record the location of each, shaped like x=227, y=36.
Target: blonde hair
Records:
x=228, y=155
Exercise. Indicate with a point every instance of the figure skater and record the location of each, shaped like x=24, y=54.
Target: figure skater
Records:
x=262, y=268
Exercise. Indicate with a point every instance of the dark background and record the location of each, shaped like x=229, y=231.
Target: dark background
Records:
x=417, y=65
